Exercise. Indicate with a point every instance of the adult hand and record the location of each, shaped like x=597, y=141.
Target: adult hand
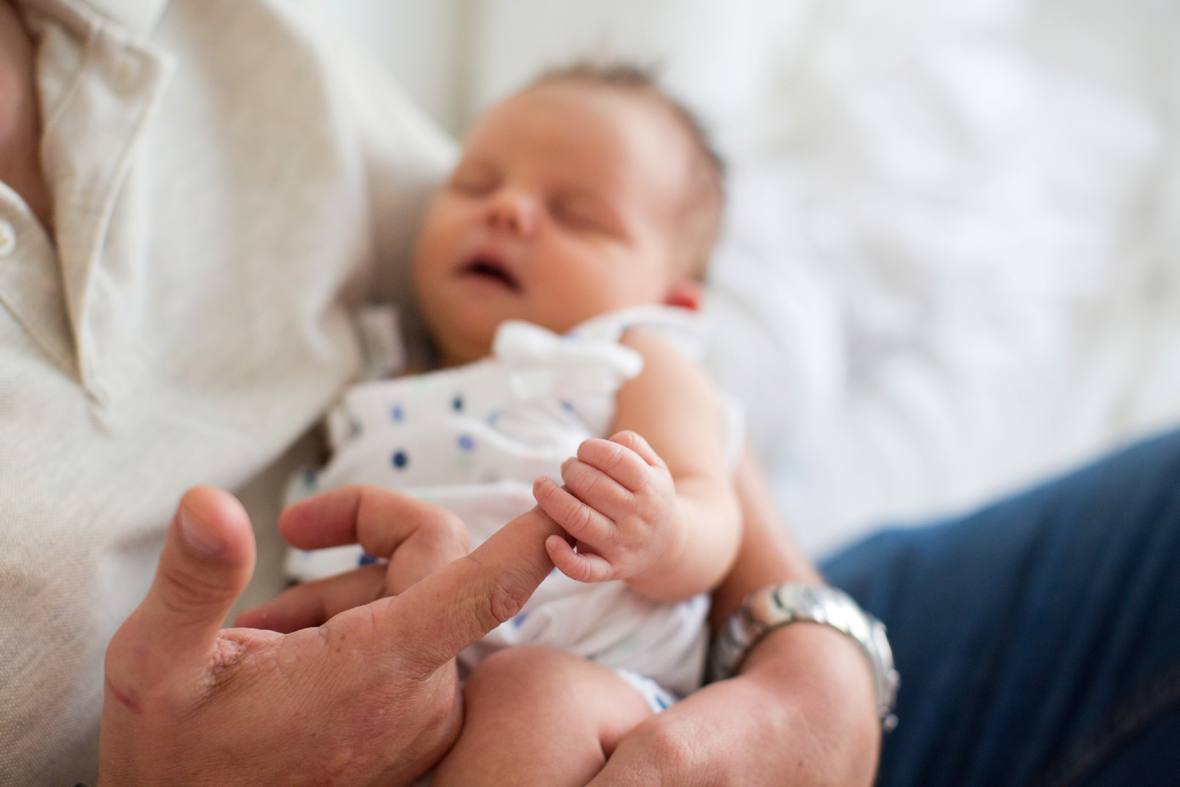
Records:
x=417, y=538
x=371, y=696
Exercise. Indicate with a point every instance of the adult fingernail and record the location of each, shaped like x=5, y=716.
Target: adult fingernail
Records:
x=197, y=536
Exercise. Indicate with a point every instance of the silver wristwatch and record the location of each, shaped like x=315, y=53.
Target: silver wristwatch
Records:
x=771, y=608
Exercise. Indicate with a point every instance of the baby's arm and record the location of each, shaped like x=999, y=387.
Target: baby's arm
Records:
x=658, y=511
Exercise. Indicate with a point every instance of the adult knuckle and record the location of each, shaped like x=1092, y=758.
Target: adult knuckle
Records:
x=182, y=590
x=509, y=592
x=366, y=501
x=142, y=682
x=501, y=598
x=668, y=747
x=447, y=531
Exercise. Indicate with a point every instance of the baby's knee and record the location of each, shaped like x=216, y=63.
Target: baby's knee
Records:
x=524, y=671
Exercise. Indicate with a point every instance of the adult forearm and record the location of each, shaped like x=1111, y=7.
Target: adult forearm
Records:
x=819, y=681
x=814, y=672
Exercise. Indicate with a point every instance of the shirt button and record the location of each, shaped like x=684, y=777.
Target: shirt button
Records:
x=7, y=238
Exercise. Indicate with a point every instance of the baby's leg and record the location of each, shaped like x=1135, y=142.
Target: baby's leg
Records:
x=537, y=715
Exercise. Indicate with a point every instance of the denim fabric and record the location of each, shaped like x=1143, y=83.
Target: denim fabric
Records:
x=1038, y=639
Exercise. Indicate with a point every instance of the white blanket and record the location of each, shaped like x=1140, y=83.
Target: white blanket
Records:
x=955, y=241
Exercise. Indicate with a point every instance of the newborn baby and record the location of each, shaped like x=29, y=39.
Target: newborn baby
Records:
x=558, y=271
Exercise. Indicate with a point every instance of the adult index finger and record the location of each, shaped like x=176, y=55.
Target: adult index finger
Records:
x=428, y=624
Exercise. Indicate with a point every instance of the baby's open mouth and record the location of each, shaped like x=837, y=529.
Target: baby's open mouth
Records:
x=491, y=269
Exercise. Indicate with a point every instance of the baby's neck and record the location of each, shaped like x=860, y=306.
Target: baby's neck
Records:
x=438, y=359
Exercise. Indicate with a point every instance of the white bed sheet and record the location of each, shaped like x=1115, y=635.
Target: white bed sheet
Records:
x=953, y=262
x=956, y=248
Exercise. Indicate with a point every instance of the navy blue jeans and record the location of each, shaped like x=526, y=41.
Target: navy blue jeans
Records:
x=1038, y=639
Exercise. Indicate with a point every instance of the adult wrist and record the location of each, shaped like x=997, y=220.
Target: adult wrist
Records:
x=770, y=609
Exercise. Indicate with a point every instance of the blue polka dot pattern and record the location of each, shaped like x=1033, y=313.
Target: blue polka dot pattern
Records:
x=400, y=460
x=366, y=559
x=457, y=403
x=397, y=413
x=466, y=443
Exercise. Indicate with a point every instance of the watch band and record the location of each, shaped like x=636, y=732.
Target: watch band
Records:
x=771, y=608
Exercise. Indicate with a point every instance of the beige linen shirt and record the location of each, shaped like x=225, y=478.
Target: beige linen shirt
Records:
x=225, y=183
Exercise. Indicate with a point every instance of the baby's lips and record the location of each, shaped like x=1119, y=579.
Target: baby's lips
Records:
x=493, y=267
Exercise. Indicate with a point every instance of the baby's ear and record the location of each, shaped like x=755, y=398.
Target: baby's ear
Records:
x=684, y=294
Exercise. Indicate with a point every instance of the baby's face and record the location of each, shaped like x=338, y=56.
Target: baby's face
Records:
x=563, y=206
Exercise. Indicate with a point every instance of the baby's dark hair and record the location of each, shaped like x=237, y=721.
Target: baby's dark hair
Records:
x=704, y=205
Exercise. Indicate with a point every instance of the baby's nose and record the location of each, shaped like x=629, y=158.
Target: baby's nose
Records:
x=512, y=211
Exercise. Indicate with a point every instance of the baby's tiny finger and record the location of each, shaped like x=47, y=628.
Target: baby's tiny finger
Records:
x=578, y=566
x=639, y=445
x=596, y=489
x=575, y=517
x=616, y=460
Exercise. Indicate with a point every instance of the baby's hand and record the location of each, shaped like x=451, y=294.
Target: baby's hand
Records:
x=618, y=502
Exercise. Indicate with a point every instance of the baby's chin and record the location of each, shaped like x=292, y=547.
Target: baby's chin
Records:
x=461, y=329
x=456, y=348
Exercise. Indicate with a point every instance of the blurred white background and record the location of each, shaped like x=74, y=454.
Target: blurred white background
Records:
x=953, y=255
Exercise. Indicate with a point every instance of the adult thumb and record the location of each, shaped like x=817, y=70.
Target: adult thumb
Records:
x=207, y=560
